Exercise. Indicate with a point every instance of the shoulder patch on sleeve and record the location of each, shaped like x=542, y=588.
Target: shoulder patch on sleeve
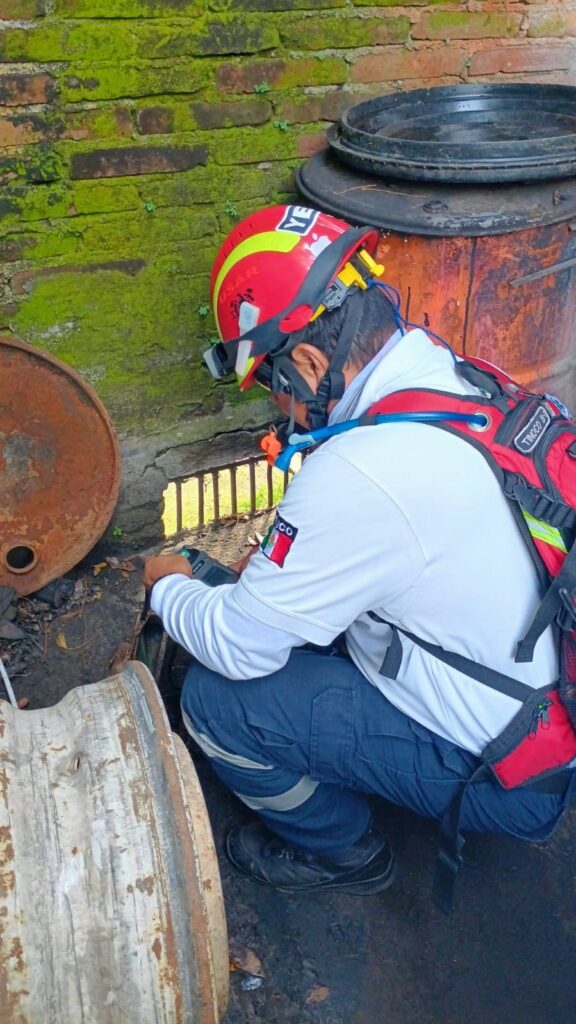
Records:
x=279, y=540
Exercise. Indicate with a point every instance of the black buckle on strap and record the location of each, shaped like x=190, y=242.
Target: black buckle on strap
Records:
x=539, y=504
x=566, y=617
x=452, y=861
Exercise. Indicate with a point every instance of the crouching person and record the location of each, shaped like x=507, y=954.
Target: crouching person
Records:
x=397, y=536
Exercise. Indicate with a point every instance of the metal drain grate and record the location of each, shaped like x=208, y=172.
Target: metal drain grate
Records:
x=214, y=496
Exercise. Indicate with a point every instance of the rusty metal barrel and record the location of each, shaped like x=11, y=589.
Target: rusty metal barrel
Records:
x=482, y=248
x=111, y=909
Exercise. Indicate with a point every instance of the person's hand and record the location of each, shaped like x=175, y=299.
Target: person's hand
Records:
x=243, y=562
x=158, y=566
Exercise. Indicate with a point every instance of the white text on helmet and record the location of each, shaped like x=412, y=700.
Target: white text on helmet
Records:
x=298, y=219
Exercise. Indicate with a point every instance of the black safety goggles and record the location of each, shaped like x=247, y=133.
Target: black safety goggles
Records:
x=263, y=375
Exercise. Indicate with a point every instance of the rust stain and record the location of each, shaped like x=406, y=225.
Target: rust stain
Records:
x=127, y=737
x=17, y=954
x=11, y=962
x=157, y=948
x=4, y=781
x=145, y=884
x=7, y=876
x=169, y=972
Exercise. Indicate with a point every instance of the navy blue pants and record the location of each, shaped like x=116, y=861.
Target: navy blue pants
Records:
x=304, y=745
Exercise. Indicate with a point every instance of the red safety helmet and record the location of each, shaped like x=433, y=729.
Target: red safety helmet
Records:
x=279, y=269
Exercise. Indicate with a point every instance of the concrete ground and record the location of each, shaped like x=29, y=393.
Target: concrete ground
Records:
x=506, y=955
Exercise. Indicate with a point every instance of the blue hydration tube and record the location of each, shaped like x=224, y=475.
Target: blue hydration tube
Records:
x=299, y=442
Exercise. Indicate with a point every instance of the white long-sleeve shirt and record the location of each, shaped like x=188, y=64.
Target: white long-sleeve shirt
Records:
x=402, y=519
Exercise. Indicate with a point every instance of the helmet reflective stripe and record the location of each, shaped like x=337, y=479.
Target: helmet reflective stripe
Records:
x=543, y=531
x=266, y=241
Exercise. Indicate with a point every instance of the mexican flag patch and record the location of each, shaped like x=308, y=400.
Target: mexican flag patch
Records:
x=279, y=540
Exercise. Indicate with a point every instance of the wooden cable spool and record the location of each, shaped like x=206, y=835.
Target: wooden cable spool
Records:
x=111, y=909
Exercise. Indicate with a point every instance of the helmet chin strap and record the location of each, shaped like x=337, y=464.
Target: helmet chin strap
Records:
x=332, y=386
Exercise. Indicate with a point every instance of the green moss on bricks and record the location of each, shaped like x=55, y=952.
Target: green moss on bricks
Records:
x=323, y=33
x=94, y=41
x=135, y=337
x=269, y=6
x=127, y=8
x=114, y=80
x=22, y=205
x=130, y=234
x=397, y=3
x=37, y=163
x=460, y=25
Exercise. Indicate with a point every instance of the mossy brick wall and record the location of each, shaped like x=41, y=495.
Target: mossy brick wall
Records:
x=134, y=133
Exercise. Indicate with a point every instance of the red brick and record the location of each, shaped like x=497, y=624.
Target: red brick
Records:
x=512, y=59
x=281, y=74
x=7, y=311
x=309, y=145
x=396, y=63
x=16, y=133
x=155, y=121
x=327, y=107
x=117, y=163
x=13, y=247
x=552, y=23
x=21, y=89
x=21, y=10
x=123, y=120
x=243, y=77
x=221, y=115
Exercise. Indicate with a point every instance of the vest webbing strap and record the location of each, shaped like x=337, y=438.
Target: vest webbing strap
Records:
x=507, y=685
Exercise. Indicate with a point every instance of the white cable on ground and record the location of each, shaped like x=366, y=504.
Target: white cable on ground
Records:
x=8, y=684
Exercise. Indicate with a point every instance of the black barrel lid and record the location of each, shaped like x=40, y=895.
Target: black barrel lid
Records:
x=426, y=208
x=482, y=134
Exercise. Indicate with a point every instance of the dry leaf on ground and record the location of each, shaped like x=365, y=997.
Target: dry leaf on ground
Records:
x=61, y=642
x=122, y=655
x=244, y=959
x=97, y=569
x=317, y=995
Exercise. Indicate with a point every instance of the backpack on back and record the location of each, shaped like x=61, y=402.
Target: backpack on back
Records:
x=529, y=441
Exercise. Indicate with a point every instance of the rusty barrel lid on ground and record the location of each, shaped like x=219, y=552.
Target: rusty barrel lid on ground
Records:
x=59, y=467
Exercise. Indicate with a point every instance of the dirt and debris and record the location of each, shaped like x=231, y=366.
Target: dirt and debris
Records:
x=505, y=954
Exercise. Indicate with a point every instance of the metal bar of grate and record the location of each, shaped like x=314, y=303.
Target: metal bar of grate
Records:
x=233, y=490
x=216, y=494
x=212, y=495
x=252, y=473
x=178, y=506
x=201, y=499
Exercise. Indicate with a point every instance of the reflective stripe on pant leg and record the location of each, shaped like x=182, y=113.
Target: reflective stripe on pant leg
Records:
x=257, y=734
x=288, y=800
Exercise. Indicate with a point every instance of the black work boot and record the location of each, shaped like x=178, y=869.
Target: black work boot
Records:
x=364, y=868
